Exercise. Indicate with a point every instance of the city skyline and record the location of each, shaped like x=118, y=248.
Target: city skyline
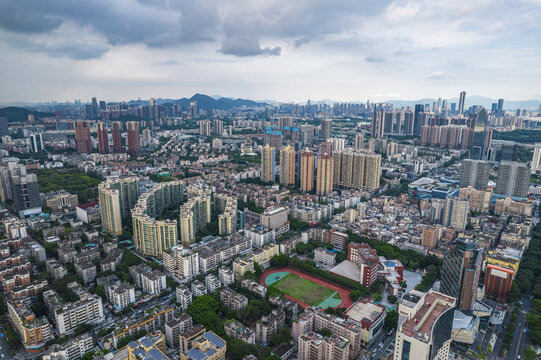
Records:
x=346, y=52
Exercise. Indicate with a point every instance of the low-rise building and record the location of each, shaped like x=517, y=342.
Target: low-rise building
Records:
x=370, y=317
x=243, y=264
x=175, y=327
x=198, y=288
x=122, y=296
x=153, y=282
x=233, y=300
x=208, y=346
x=237, y=330
x=324, y=257
x=212, y=283
x=269, y=325
x=184, y=297
x=254, y=287
x=86, y=270
x=226, y=276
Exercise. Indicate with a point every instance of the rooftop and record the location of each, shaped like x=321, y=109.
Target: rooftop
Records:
x=367, y=311
x=421, y=324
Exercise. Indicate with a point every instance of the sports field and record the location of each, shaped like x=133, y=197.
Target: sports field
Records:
x=302, y=289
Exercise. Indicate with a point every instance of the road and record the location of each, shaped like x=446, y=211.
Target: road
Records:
x=520, y=343
x=388, y=341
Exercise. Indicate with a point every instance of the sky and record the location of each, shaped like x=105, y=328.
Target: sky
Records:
x=347, y=50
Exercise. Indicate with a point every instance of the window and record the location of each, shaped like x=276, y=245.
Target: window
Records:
x=406, y=346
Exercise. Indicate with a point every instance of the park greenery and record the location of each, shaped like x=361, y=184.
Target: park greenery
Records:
x=71, y=180
x=519, y=135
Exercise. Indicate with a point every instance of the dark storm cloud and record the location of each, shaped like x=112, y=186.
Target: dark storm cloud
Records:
x=240, y=26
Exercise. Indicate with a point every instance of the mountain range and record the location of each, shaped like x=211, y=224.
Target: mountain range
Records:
x=204, y=102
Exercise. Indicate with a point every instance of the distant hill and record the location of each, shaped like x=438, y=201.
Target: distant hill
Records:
x=204, y=102
x=18, y=114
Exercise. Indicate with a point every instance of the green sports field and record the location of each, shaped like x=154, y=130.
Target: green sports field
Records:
x=302, y=289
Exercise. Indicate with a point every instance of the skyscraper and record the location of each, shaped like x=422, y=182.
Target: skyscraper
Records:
x=287, y=166
x=117, y=136
x=326, y=129
x=500, y=107
x=461, y=102
x=24, y=191
x=536, y=160
x=325, y=171
x=307, y=170
x=460, y=272
x=268, y=162
x=475, y=173
x=417, y=119
x=134, y=140
x=103, y=138
x=480, y=138
x=194, y=112
x=4, y=129
x=36, y=142
x=82, y=137
x=377, y=124
x=513, y=179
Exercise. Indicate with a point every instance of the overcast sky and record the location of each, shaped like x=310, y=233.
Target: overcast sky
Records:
x=276, y=50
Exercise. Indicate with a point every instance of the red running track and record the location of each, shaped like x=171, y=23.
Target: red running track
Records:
x=344, y=293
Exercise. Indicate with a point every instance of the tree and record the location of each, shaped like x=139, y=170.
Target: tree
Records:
x=203, y=310
x=325, y=332
x=279, y=260
x=282, y=336
x=355, y=295
x=88, y=355
x=100, y=291
x=391, y=319
x=378, y=297
x=258, y=270
x=529, y=354
x=392, y=299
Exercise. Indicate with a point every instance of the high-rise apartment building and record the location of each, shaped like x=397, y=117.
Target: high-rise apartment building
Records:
x=103, y=138
x=358, y=170
x=460, y=272
x=268, y=161
x=22, y=188
x=475, y=173
x=4, y=129
x=424, y=326
x=378, y=118
x=82, y=137
x=307, y=170
x=312, y=346
x=431, y=236
x=33, y=332
x=479, y=200
x=326, y=129
x=461, y=102
x=181, y=262
x=325, y=174
x=117, y=196
x=217, y=127
x=205, y=128
x=287, y=166
x=359, y=142
x=36, y=143
x=455, y=213
x=513, y=179
x=134, y=139
x=116, y=133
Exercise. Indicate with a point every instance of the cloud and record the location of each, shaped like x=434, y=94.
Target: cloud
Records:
x=438, y=75
x=374, y=59
x=246, y=46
